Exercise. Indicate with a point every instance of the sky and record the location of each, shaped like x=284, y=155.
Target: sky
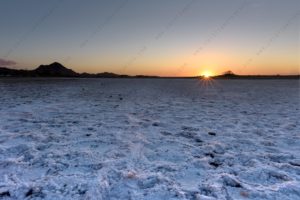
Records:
x=165, y=38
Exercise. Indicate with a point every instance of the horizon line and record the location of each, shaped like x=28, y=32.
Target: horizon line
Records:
x=195, y=76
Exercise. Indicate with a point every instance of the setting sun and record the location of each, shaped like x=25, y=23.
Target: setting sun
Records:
x=207, y=74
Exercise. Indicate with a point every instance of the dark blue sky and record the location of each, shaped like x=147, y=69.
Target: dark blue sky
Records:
x=170, y=37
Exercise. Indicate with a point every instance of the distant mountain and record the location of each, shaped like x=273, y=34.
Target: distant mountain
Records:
x=103, y=75
x=54, y=69
x=230, y=75
x=107, y=75
x=233, y=76
x=15, y=72
x=58, y=70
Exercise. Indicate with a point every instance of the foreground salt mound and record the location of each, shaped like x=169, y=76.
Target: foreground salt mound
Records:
x=149, y=139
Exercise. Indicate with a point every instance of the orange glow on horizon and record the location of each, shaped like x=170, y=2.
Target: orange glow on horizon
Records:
x=207, y=74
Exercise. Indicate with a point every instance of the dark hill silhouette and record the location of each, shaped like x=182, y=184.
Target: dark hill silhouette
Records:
x=107, y=74
x=103, y=75
x=54, y=69
x=15, y=73
x=230, y=75
x=58, y=70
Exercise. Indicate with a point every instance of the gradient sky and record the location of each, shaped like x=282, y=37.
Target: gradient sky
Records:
x=153, y=37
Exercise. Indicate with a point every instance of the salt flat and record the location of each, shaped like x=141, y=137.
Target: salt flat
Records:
x=149, y=139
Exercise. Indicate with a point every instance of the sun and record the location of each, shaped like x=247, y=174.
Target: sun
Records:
x=206, y=74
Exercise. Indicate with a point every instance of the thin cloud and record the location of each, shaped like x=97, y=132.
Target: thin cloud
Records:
x=6, y=63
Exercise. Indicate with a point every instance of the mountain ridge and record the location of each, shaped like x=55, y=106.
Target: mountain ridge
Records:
x=56, y=69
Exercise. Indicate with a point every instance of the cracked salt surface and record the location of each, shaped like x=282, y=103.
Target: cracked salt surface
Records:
x=149, y=139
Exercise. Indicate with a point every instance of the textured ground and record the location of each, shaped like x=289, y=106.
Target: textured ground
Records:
x=149, y=139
